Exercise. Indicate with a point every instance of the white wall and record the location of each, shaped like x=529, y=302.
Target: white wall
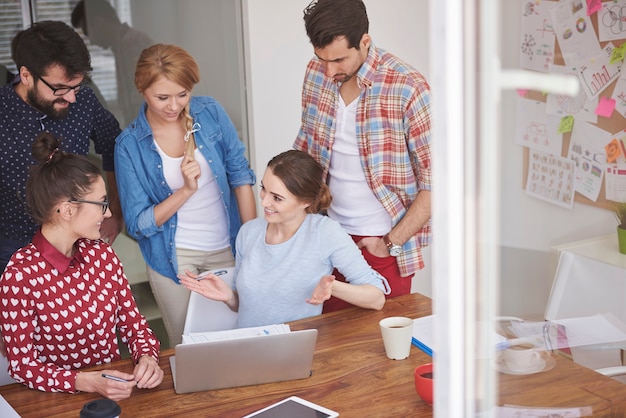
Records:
x=277, y=51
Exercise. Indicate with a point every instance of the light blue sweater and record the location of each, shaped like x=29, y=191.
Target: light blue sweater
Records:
x=274, y=281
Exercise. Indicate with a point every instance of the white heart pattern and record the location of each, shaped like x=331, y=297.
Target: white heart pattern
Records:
x=54, y=322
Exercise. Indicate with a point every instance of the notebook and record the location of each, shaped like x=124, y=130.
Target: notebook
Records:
x=243, y=361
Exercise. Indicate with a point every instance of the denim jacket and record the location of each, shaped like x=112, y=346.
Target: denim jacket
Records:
x=142, y=185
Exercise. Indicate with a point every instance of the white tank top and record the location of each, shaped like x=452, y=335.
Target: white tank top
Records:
x=202, y=222
x=354, y=205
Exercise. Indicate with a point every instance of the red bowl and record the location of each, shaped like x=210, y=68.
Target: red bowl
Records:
x=424, y=382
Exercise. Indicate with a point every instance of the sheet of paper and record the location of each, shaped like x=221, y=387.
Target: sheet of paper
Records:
x=615, y=183
x=514, y=411
x=587, y=151
x=597, y=73
x=574, y=31
x=536, y=129
x=580, y=106
x=593, y=330
x=551, y=178
x=619, y=95
x=6, y=410
x=423, y=332
x=537, y=36
x=610, y=21
x=201, y=337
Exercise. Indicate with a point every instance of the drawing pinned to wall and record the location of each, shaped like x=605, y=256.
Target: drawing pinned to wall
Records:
x=574, y=31
x=536, y=129
x=616, y=183
x=550, y=178
x=537, y=40
x=619, y=95
x=580, y=106
x=586, y=149
x=597, y=73
x=612, y=21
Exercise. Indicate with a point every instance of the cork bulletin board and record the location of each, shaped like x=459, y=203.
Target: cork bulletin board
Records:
x=602, y=19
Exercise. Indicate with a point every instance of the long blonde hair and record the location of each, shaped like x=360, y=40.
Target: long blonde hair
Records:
x=175, y=64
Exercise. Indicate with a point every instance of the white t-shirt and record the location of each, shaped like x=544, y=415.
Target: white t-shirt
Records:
x=354, y=205
x=202, y=220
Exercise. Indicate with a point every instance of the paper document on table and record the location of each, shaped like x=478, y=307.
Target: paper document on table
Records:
x=6, y=410
x=423, y=334
x=513, y=411
x=231, y=334
x=592, y=330
x=579, y=331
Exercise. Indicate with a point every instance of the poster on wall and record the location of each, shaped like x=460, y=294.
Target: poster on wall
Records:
x=586, y=149
x=537, y=36
x=536, y=128
x=611, y=25
x=550, y=178
x=574, y=31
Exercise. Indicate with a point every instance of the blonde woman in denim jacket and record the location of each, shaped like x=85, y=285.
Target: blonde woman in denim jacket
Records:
x=184, y=180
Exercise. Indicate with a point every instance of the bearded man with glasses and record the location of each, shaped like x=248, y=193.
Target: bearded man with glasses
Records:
x=49, y=94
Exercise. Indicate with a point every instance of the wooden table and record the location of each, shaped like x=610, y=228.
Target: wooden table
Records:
x=351, y=375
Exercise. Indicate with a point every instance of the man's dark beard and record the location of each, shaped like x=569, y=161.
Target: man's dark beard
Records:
x=46, y=107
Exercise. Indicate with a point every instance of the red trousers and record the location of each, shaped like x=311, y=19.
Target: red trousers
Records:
x=386, y=266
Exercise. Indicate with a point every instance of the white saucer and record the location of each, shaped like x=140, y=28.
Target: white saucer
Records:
x=546, y=363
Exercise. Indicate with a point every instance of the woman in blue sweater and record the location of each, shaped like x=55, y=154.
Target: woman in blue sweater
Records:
x=284, y=261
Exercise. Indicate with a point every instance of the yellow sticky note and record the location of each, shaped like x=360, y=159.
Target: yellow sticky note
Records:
x=567, y=124
x=618, y=54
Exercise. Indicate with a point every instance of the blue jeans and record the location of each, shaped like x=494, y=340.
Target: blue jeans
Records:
x=7, y=248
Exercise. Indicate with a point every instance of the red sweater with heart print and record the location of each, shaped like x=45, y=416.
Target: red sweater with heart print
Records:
x=59, y=314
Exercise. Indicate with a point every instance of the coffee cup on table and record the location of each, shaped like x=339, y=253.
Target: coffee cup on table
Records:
x=397, y=333
x=101, y=408
x=522, y=357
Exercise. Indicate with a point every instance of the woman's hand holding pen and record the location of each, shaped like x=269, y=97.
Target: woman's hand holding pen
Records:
x=116, y=386
x=210, y=286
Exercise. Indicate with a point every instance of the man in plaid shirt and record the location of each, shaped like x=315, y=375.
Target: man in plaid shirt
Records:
x=366, y=119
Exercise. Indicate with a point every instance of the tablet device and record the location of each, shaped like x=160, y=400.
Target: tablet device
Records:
x=294, y=407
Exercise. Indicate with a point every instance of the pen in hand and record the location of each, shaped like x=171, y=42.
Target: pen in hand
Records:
x=117, y=379
x=206, y=273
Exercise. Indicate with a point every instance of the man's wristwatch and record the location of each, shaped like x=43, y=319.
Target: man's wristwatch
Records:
x=394, y=249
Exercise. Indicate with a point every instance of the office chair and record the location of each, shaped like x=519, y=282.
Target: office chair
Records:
x=583, y=287
x=204, y=314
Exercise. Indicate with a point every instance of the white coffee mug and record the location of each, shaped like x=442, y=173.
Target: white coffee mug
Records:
x=397, y=332
x=521, y=357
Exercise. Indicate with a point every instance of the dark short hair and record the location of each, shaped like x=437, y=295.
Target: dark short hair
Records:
x=325, y=20
x=58, y=176
x=48, y=43
x=303, y=177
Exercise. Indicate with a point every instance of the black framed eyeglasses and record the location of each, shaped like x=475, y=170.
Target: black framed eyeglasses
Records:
x=104, y=204
x=62, y=91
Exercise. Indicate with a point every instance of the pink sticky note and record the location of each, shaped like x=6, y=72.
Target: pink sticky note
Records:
x=605, y=107
x=593, y=6
x=522, y=92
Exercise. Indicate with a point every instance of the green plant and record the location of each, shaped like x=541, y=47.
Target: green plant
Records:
x=619, y=209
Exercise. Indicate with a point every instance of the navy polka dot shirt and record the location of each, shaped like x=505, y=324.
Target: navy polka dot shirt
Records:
x=19, y=125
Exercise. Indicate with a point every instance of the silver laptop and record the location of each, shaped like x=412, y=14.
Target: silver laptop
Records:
x=243, y=361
